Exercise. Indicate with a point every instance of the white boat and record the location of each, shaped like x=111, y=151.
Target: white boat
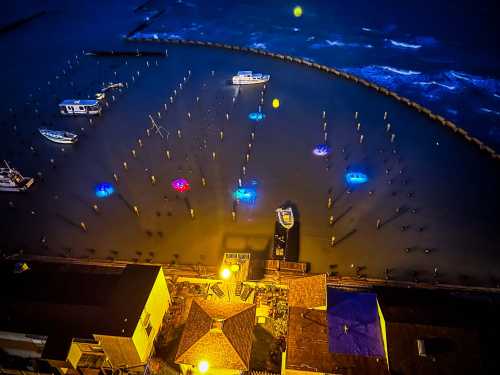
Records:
x=247, y=77
x=12, y=180
x=80, y=107
x=285, y=217
x=59, y=136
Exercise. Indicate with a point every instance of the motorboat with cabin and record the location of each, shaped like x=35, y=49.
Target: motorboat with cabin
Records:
x=59, y=136
x=12, y=181
x=247, y=77
x=80, y=107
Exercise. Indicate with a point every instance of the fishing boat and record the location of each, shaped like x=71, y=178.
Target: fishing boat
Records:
x=285, y=217
x=247, y=77
x=12, y=180
x=80, y=107
x=59, y=136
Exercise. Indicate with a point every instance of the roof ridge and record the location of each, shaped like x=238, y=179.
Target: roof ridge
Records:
x=242, y=362
x=250, y=305
x=200, y=307
x=246, y=309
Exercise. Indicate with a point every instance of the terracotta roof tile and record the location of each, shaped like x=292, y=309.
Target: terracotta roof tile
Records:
x=220, y=333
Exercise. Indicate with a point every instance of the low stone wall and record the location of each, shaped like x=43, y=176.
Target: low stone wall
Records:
x=440, y=119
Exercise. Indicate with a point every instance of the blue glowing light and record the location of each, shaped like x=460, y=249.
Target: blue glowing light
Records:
x=257, y=116
x=104, y=190
x=321, y=150
x=245, y=195
x=356, y=178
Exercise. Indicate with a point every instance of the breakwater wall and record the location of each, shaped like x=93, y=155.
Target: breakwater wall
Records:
x=135, y=53
x=18, y=23
x=153, y=38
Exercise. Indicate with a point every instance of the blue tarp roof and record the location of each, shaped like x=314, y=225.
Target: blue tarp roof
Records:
x=358, y=313
x=79, y=102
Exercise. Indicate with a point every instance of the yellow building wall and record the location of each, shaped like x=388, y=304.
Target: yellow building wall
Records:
x=119, y=350
x=300, y=372
x=193, y=370
x=384, y=333
x=74, y=355
x=157, y=304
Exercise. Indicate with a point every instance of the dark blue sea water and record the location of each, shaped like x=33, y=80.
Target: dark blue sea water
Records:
x=449, y=211
x=442, y=54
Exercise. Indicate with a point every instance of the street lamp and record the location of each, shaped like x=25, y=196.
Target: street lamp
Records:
x=203, y=367
x=225, y=273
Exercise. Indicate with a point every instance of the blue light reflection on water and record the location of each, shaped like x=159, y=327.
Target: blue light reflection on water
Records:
x=257, y=116
x=321, y=150
x=247, y=194
x=104, y=190
x=356, y=178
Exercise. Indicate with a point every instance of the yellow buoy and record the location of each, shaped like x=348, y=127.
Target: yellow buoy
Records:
x=297, y=11
x=276, y=103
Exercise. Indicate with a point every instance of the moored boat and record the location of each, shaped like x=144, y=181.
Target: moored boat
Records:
x=247, y=77
x=59, y=136
x=11, y=180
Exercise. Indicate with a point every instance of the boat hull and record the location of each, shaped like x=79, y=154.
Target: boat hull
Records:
x=25, y=185
x=238, y=81
x=59, y=139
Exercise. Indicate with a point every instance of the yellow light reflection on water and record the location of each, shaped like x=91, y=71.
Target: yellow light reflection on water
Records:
x=276, y=103
x=297, y=11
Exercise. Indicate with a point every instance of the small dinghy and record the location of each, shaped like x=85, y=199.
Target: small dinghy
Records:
x=59, y=136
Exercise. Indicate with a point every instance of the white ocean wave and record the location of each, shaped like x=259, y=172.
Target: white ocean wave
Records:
x=398, y=44
x=399, y=71
x=487, y=110
x=187, y=3
x=338, y=43
x=310, y=38
x=335, y=43
x=366, y=29
x=496, y=96
x=449, y=87
x=141, y=35
x=296, y=29
x=258, y=45
x=491, y=85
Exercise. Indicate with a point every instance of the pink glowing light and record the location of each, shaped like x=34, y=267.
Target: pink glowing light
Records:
x=180, y=185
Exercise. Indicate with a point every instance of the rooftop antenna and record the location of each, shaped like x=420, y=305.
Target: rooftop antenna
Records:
x=156, y=128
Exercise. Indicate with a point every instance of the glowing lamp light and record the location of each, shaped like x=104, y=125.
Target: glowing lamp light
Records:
x=245, y=194
x=297, y=11
x=203, y=367
x=180, y=185
x=225, y=273
x=321, y=150
x=256, y=116
x=276, y=103
x=356, y=178
x=104, y=190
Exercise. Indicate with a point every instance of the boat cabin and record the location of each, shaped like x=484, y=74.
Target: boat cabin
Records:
x=80, y=107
